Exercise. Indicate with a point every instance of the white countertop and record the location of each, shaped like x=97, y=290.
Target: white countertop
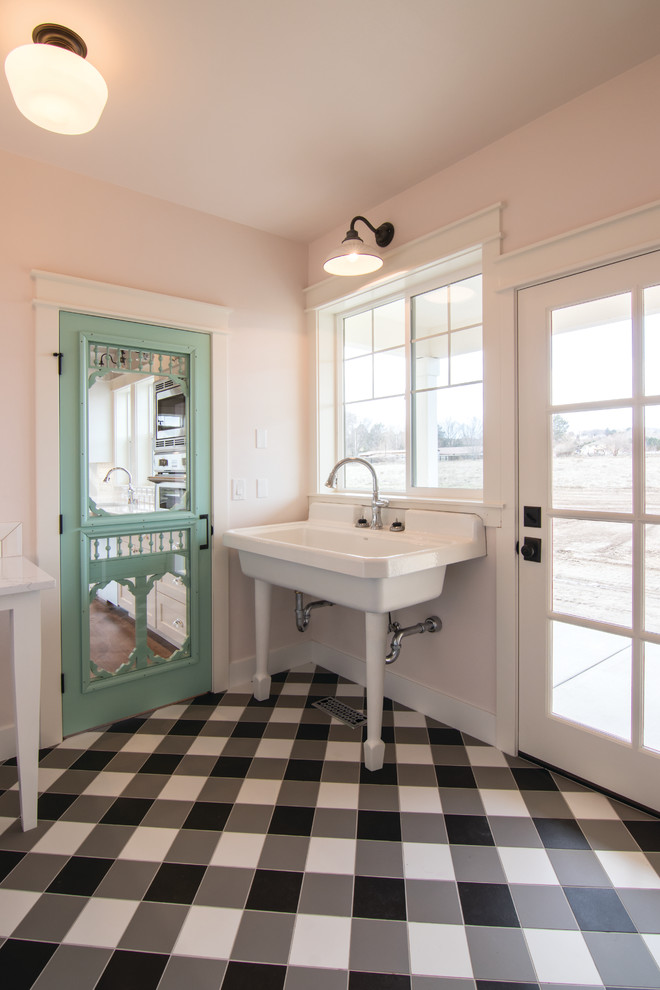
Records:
x=18, y=574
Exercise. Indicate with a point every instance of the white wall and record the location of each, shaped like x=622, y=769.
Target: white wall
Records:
x=56, y=221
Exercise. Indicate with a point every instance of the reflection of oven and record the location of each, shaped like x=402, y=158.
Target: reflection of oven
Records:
x=170, y=411
x=170, y=479
x=172, y=495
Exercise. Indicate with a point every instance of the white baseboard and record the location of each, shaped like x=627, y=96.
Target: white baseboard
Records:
x=442, y=707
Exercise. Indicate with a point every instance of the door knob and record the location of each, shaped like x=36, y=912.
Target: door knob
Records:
x=531, y=549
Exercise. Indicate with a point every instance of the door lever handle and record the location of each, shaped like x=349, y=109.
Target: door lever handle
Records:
x=209, y=531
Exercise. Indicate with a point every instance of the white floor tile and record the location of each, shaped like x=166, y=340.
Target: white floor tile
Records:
x=653, y=945
x=502, y=802
x=297, y=687
x=333, y=795
x=427, y=861
x=181, y=787
x=326, y=855
x=14, y=905
x=286, y=715
x=439, y=950
x=149, y=844
x=349, y=690
x=64, y=838
x=254, y=790
x=589, y=806
x=142, y=742
x=242, y=849
x=84, y=740
x=527, y=866
x=321, y=941
x=561, y=957
x=102, y=922
x=170, y=711
x=274, y=749
x=406, y=753
x=108, y=784
x=208, y=932
x=47, y=777
x=414, y=719
x=344, y=752
x=486, y=756
x=628, y=869
x=226, y=713
x=207, y=746
x=5, y=823
x=420, y=799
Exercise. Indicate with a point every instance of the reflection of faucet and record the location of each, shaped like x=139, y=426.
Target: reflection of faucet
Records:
x=131, y=490
x=377, y=503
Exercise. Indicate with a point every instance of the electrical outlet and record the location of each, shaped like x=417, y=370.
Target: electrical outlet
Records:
x=238, y=489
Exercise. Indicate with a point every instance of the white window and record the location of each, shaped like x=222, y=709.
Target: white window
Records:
x=409, y=389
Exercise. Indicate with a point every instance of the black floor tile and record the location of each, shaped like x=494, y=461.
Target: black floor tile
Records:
x=598, y=909
x=253, y=976
x=51, y=807
x=288, y=820
x=132, y=971
x=128, y=725
x=303, y=770
x=448, y=776
x=209, y=815
x=386, y=775
x=444, y=737
x=379, y=897
x=93, y=759
x=534, y=779
x=378, y=981
x=646, y=834
x=127, y=811
x=313, y=730
x=81, y=875
x=469, y=830
x=249, y=730
x=209, y=699
x=187, y=727
x=488, y=904
x=165, y=763
x=561, y=833
x=22, y=962
x=381, y=825
x=275, y=890
x=505, y=985
x=8, y=860
x=231, y=766
x=175, y=883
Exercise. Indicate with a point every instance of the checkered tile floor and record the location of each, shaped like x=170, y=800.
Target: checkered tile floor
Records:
x=235, y=844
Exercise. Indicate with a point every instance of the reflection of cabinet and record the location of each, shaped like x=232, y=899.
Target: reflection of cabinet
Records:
x=166, y=608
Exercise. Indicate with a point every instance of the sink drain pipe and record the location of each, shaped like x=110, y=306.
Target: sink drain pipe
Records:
x=303, y=612
x=432, y=624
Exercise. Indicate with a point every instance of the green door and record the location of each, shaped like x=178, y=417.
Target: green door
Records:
x=135, y=470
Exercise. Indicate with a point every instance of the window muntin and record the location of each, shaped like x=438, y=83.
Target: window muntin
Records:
x=412, y=390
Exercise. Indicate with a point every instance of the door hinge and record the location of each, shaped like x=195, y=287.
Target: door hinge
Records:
x=62, y=682
x=61, y=525
x=59, y=356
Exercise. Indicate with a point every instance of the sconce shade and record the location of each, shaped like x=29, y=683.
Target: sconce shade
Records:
x=353, y=257
x=56, y=88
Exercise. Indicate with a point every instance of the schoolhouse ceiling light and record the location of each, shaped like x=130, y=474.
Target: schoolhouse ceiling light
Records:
x=354, y=257
x=52, y=84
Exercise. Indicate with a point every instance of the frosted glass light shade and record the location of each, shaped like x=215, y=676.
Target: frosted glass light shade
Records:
x=55, y=88
x=353, y=258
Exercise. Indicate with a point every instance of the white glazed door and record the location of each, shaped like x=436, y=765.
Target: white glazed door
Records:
x=589, y=472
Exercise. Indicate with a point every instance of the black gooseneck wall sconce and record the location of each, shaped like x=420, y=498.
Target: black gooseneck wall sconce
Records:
x=353, y=257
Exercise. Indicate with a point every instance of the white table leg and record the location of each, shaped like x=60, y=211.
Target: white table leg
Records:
x=376, y=637
x=261, y=679
x=26, y=645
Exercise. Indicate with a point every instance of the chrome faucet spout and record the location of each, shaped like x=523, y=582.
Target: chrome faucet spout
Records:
x=377, y=503
x=131, y=490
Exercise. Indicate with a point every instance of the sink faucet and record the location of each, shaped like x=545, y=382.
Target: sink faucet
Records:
x=131, y=490
x=377, y=503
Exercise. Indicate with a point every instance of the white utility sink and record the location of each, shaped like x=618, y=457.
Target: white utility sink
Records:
x=375, y=571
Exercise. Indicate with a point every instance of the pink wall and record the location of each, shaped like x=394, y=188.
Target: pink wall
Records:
x=591, y=158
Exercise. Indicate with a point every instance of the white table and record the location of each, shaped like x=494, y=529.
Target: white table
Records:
x=21, y=584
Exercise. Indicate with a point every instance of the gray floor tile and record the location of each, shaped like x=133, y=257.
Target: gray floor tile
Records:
x=154, y=927
x=193, y=974
x=264, y=937
x=9, y=805
x=249, y=818
x=34, y=872
x=308, y=749
x=335, y=823
x=302, y=793
x=195, y=766
x=623, y=960
x=542, y=907
x=423, y=827
x=643, y=906
x=87, y=808
x=148, y=785
x=480, y=864
x=607, y=834
x=193, y=845
x=440, y=983
x=416, y=775
x=326, y=893
x=378, y=797
x=265, y=769
x=518, y=832
x=546, y=804
x=411, y=735
x=106, y=841
x=498, y=778
x=499, y=954
x=241, y=747
x=222, y=789
x=86, y=962
x=453, y=756
x=578, y=867
x=379, y=946
x=284, y=852
x=167, y=814
x=461, y=801
x=224, y=886
x=127, y=880
x=341, y=772
x=302, y=978
x=50, y=918
x=378, y=859
x=433, y=902
x=127, y=762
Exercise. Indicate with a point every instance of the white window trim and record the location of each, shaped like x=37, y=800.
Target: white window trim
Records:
x=53, y=293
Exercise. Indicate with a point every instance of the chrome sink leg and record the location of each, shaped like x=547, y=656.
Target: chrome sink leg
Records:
x=376, y=624
x=261, y=679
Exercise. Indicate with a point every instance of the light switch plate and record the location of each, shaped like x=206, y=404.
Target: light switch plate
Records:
x=261, y=437
x=262, y=487
x=238, y=489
